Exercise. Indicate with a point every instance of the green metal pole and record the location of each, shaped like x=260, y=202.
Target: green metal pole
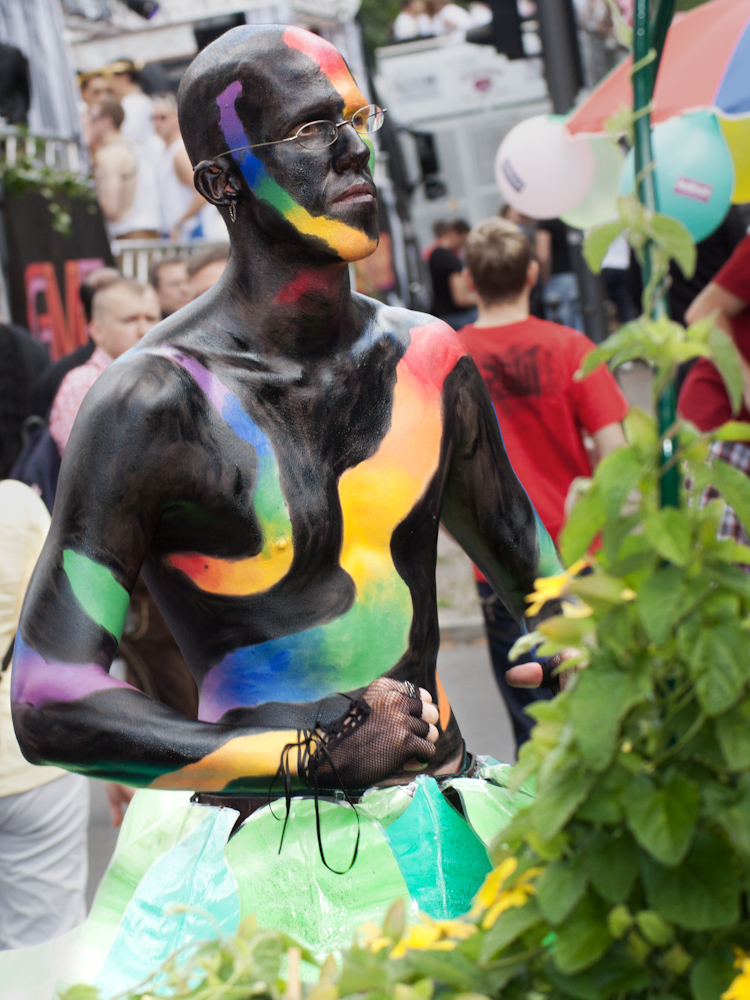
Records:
x=648, y=36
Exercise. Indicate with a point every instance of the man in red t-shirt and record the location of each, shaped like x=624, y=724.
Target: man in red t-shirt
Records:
x=703, y=398
x=529, y=366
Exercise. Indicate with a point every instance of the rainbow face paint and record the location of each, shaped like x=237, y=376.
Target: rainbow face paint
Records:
x=298, y=202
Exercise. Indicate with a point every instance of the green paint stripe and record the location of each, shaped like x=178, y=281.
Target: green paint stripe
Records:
x=99, y=594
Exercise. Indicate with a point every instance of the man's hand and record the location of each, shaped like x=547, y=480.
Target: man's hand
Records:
x=119, y=797
x=398, y=733
x=532, y=675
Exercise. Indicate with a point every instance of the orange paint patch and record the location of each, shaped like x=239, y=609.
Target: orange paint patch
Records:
x=444, y=707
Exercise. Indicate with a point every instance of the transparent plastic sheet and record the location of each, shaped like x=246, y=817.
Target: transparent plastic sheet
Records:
x=425, y=843
x=293, y=891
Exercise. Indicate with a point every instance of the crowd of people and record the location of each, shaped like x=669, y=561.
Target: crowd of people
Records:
x=143, y=176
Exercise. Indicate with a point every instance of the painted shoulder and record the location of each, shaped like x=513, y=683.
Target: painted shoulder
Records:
x=434, y=339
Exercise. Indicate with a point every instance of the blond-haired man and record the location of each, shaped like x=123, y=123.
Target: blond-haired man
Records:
x=529, y=366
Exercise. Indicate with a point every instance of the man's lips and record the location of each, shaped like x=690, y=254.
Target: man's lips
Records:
x=355, y=194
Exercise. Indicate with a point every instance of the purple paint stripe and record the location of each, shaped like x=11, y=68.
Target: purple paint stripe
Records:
x=216, y=392
x=37, y=682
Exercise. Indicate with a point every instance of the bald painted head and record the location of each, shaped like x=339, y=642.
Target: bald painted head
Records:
x=258, y=84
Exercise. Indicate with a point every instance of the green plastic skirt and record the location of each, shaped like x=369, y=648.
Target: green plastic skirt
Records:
x=177, y=877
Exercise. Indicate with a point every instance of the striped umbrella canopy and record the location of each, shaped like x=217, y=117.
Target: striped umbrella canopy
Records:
x=705, y=65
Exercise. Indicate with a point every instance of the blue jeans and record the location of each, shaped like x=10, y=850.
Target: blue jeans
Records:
x=562, y=300
x=502, y=631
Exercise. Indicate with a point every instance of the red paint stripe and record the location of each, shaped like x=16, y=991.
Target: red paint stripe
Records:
x=324, y=54
x=433, y=353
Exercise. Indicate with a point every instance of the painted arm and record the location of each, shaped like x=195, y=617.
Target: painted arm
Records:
x=485, y=507
x=124, y=463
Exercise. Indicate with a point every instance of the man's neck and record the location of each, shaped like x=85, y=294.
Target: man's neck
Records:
x=503, y=313
x=297, y=306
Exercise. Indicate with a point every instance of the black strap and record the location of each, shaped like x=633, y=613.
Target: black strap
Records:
x=8, y=655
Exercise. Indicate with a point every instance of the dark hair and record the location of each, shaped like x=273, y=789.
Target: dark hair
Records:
x=439, y=228
x=460, y=226
x=155, y=267
x=111, y=108
x=498, y=255
x=92, y=283
x=211, y=256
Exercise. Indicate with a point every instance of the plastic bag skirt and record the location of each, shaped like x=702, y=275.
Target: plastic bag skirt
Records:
x=178, y=877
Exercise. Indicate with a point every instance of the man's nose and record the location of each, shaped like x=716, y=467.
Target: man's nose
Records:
x=350, y=149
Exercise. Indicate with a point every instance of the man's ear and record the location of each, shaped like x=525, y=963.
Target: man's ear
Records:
x=213, y=180
x=532, y=273
x=95, y=331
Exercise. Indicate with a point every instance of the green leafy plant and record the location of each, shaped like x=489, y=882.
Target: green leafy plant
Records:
x=30, y=174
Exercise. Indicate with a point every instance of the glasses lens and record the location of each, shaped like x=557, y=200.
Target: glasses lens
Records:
x=368, y=119
x=317, y=135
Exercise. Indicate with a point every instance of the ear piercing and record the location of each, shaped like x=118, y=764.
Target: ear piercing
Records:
x=233, y=211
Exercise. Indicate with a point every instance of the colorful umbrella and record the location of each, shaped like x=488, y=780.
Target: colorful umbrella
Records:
x=705, y=65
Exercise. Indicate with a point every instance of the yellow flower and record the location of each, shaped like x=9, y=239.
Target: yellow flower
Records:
x=739, y=988
x=579, y=610
x=440, y=935
x=494, y=899
x=548, y=588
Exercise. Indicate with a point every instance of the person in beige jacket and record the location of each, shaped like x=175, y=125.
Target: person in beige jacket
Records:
x=44, y=811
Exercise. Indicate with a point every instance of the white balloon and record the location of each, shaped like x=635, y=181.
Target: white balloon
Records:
x=542, y=170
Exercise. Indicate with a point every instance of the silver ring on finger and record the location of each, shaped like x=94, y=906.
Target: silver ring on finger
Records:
x=411, y=690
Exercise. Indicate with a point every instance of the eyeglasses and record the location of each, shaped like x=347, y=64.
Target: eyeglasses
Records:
x=318, y=135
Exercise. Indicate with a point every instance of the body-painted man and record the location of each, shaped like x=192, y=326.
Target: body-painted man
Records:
x=276, y=457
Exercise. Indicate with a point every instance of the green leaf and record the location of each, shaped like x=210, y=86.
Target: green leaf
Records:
x=602, y=698
x=586, y=519
x=732, y=430
x=668, y=530
x=598, y=241
x=560, y=888
x=617, y=977
x=616, y=475
x=701, y=894
x=733, y=814
x=733, y=734
x=712, y=974
x=560, y=794
x=583, y=938
x=653, y=928
x=676, y=240
x=662, y=820
x=734, y=485
x=659, y=603
x=725, y=357
x=452, y=970
x=81, y=992
x=395, y=921
x=720, y=662
x=508, y=927
x=641, y=433
x=612, y=863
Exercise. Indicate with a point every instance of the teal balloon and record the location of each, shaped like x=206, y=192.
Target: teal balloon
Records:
x=600, y=204
x=694, y=172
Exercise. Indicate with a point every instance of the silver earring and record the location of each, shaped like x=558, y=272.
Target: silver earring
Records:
x=232, y=211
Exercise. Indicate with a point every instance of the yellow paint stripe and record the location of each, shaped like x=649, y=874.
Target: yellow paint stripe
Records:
x=240, y=577
x=254, y=756
x=379, y=493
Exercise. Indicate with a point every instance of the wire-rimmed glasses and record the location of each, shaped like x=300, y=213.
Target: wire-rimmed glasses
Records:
x=318, y=135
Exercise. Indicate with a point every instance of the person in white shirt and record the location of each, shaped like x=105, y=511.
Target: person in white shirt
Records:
x=182, y=208
x=125, y=182
x=412, y=22
x=138, y=107
x=448, y=18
